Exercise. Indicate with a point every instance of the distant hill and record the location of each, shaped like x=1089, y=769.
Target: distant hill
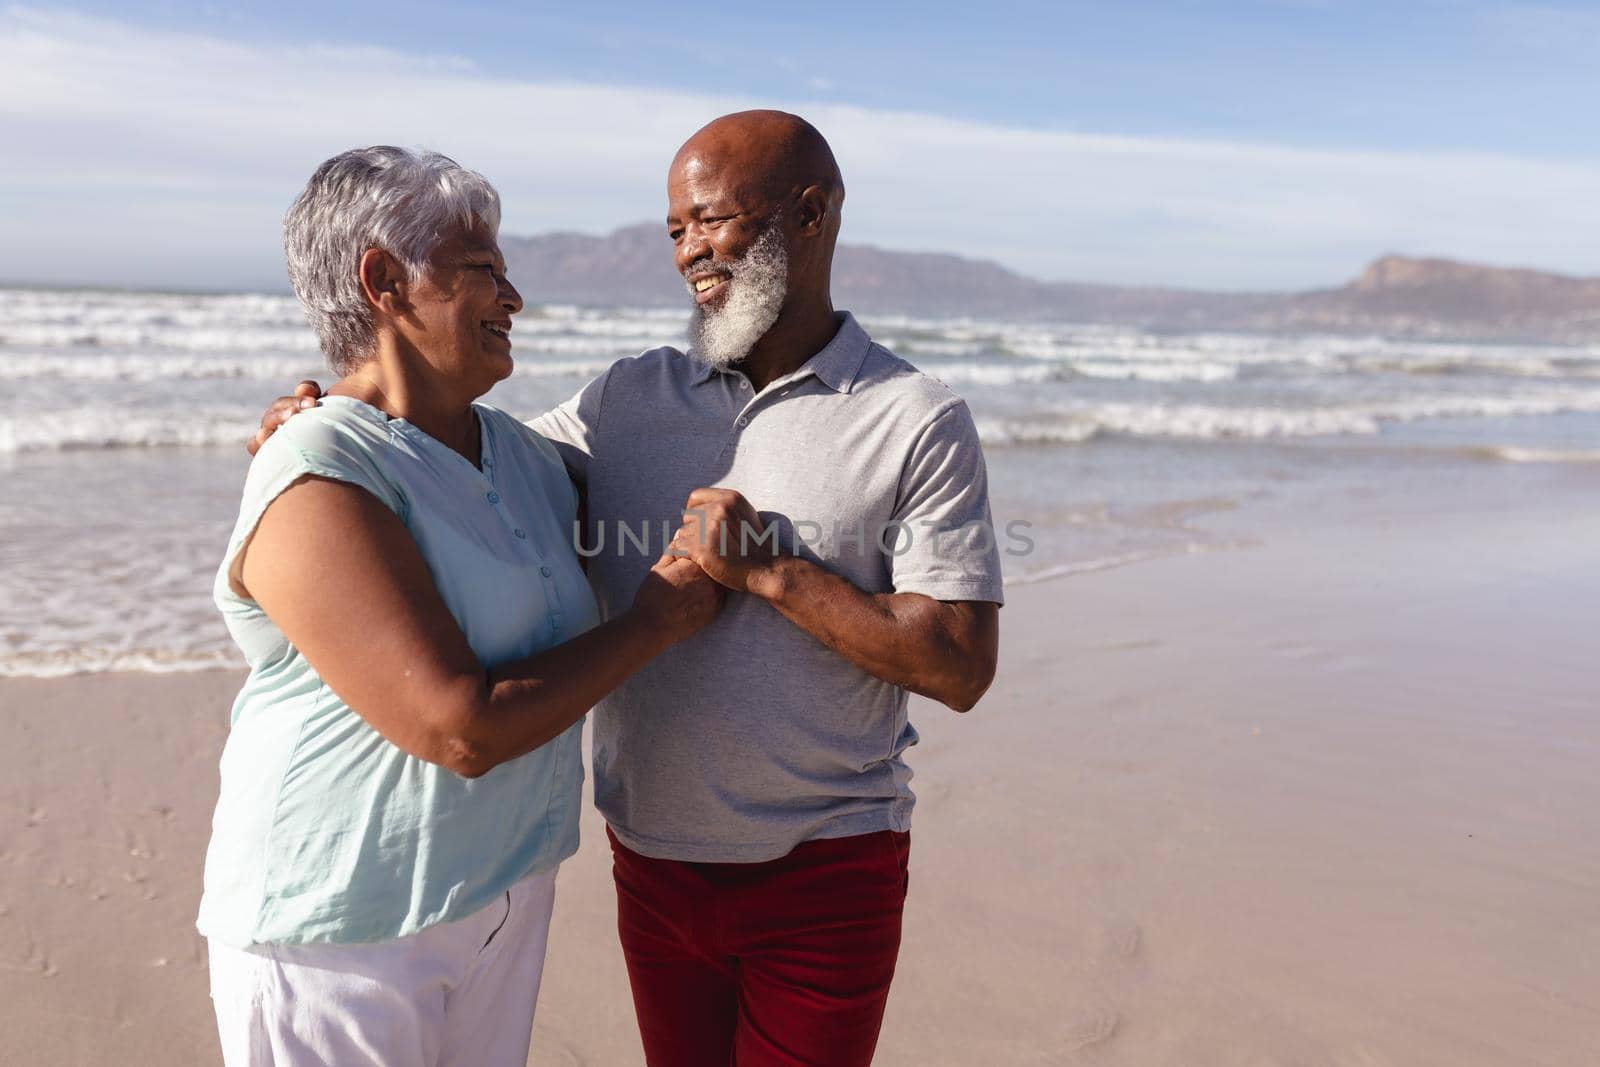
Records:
x=1395, y=296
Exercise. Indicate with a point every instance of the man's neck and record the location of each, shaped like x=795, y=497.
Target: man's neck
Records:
x=798, y=335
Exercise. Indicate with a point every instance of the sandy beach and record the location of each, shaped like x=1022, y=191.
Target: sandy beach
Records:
x=1324, y=798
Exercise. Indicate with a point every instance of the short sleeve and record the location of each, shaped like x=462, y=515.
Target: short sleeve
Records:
x=575, y=426
x=944, y=543
x=312, y=443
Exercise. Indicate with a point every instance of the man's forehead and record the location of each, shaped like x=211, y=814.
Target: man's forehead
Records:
x=699, y=168
x=701, y=178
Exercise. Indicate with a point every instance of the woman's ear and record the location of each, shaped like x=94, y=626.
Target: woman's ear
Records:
x=383, y=280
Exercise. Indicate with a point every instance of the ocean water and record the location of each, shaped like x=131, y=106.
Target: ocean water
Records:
x=123, y=416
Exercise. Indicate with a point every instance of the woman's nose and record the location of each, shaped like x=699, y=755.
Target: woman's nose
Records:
x=510, y=299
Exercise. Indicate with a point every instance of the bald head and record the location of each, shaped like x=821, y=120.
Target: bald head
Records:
x=778, y=153
x=753, y=205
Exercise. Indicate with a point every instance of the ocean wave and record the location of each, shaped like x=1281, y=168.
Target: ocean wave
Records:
x=1217, y=422
x=946, y=346
x=1016, y=372
x=1156, y=372
x=263, y=323
x=150, y=367
x=1473, y=364
x=101, y=426
x=562, y=368
x=1057, y=430
x=93, y=659
x=181, y=338
x=283, y=370
x=994, y=374
x=114, y=428
x=1516, y=454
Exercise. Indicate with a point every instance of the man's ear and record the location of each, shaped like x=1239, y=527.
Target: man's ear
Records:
x=383, y=280
x=811, y=214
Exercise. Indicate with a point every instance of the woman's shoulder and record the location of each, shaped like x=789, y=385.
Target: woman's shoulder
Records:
x=336, y=439
x=336, y=424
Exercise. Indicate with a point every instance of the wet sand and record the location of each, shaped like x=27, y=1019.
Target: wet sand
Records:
x=1325, y=800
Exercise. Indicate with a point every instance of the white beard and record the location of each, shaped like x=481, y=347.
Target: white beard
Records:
x=757, y=284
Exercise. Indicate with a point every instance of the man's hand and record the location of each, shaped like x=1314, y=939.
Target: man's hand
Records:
x=305, y=396
x=723, y=534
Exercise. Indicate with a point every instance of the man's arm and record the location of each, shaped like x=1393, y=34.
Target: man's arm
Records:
x=941, y=649
x=946, y=650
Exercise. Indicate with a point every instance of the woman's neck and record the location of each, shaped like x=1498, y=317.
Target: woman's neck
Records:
x=402, y=389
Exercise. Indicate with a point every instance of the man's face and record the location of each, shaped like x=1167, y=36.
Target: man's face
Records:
x=731, y=248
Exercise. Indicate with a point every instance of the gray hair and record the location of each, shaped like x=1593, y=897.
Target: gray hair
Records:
x=394, y=199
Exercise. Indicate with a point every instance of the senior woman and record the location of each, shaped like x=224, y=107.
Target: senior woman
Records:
x=402, y=775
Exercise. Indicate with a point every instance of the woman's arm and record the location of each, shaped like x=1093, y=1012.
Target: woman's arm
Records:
x=341, y=576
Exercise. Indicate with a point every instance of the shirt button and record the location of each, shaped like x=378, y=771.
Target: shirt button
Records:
x=743, y=384
x=494, y=498
x=545, y=571
x=743, y=421
x=520, y=533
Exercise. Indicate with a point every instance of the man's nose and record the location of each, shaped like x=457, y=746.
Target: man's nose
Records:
x=693, y=246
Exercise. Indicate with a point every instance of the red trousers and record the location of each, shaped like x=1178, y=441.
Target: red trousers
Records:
x=779, y=964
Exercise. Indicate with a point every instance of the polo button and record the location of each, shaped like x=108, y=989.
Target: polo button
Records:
x=743, y=421
x=494, y=498
x=545, y=571
x=518, y=531
x=743, y=384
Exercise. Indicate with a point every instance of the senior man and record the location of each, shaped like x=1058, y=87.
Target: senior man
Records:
x=753, y=779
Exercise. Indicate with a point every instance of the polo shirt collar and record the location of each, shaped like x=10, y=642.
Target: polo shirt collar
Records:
x=836, y=366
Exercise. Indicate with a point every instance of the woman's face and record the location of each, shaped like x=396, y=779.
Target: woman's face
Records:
x=461, y=308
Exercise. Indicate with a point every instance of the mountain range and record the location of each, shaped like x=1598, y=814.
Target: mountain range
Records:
x=1395, y=296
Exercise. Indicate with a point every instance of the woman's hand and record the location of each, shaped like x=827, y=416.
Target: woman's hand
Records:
x=678, y=597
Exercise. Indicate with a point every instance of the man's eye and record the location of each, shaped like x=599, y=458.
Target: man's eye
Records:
x=676, y=235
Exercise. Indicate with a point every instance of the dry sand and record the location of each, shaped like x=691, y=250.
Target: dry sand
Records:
x=1329, y=800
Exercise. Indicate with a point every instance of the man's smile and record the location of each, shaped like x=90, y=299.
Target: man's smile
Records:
x=707, y=286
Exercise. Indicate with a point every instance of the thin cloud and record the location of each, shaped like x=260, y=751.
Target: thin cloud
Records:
x=144, y=157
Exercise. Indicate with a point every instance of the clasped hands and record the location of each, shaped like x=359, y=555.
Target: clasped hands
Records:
x=722, y=533
x=715, y=549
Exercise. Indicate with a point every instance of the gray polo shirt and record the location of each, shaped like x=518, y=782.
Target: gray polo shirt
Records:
x=751, y=736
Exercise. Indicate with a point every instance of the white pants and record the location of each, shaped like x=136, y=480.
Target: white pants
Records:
x=451, y=995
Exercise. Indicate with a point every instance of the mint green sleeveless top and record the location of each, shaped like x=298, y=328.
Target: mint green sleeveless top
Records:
x=326, y=832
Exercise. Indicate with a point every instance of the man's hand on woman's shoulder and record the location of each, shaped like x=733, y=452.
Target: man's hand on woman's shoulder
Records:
x=306, y=395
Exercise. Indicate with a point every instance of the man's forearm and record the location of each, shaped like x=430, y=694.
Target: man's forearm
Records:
x=941, y=650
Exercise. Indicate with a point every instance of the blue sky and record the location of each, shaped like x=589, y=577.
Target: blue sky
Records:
x=1240, y=145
